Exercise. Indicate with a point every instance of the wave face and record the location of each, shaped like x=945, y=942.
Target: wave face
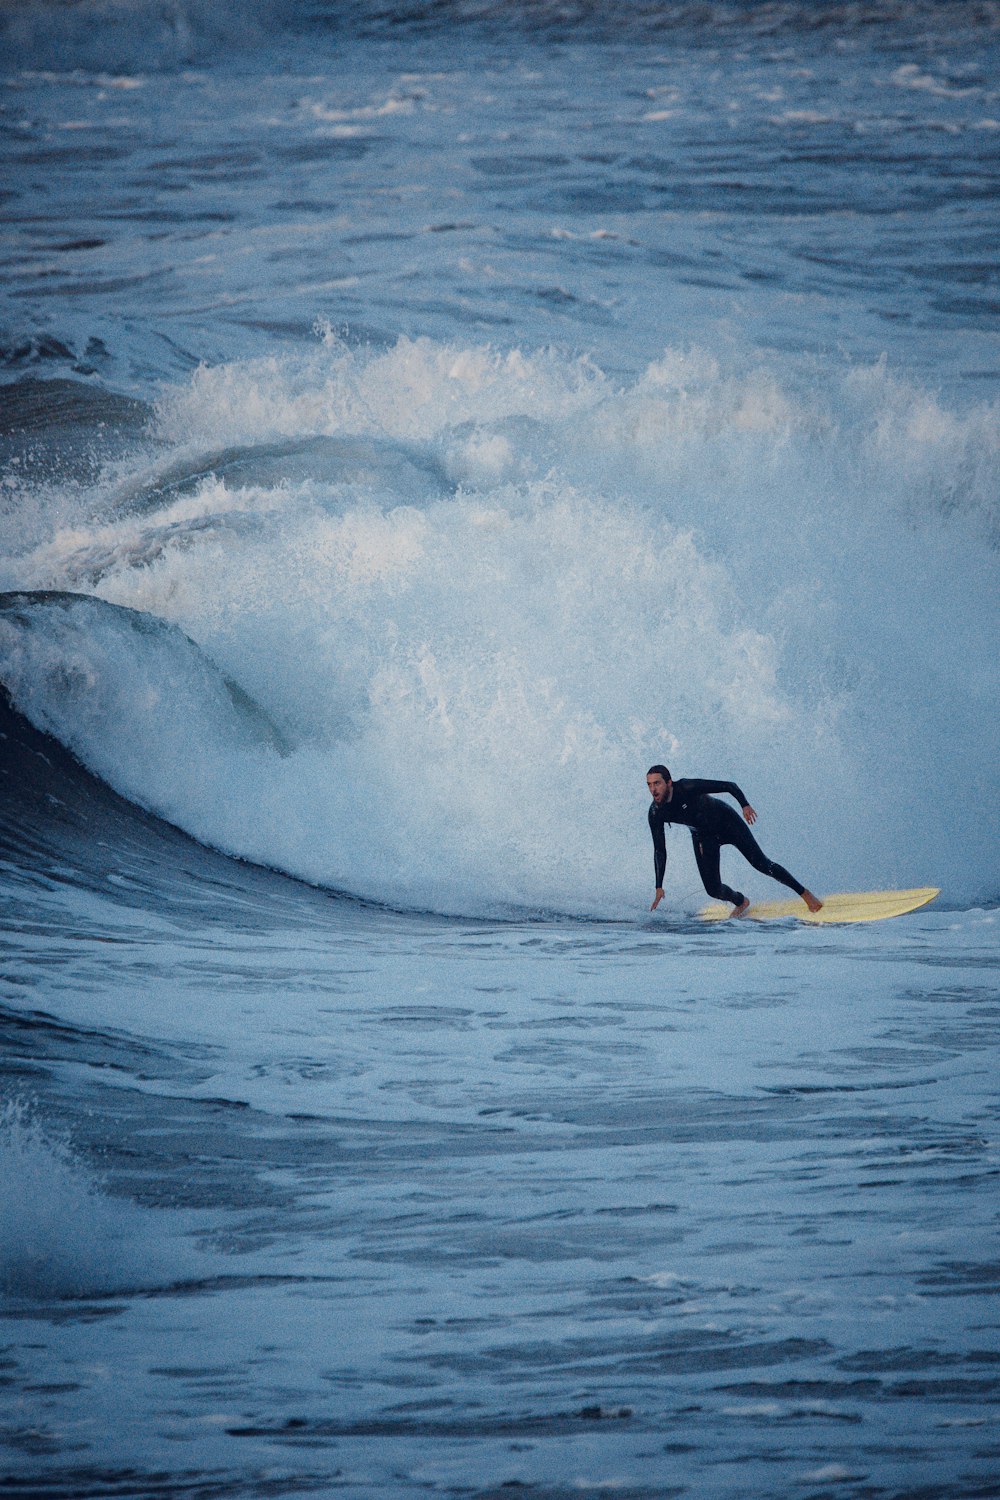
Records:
x=412, y=623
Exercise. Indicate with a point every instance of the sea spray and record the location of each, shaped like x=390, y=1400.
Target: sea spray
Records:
x=61, y=1233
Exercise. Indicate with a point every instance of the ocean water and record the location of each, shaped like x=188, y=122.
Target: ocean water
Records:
x=416, y=420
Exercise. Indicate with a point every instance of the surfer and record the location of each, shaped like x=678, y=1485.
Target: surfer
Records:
x=712, y=824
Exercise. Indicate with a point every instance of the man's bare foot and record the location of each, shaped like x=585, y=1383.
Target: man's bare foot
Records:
x=738, y=911
x=811, y=901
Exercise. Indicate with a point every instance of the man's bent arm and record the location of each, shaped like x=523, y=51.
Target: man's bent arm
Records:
x=705, y=788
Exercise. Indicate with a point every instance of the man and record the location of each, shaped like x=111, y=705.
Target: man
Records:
x=712, y=824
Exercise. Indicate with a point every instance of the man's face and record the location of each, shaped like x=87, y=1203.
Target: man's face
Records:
x=658, y=788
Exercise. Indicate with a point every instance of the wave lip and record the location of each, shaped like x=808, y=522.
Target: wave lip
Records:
x=41, y=629
x=63, y=826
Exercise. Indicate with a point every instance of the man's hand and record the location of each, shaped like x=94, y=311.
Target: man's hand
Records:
x=657, y=898
x=749, y=814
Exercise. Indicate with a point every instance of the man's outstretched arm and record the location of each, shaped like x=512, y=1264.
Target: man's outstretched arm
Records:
x=659, y=857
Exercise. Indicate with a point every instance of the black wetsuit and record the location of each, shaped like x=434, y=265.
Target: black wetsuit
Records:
x=712, y=824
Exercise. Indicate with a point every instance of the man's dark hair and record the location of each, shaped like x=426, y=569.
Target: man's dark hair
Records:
x=659, y=771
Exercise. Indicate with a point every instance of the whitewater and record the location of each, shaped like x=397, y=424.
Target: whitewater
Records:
x=416, y=420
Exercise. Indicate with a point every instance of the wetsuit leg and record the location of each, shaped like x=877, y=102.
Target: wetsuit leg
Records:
x=740, y=836
x=706, y=853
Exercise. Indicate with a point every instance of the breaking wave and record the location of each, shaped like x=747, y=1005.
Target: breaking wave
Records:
x=411, y=623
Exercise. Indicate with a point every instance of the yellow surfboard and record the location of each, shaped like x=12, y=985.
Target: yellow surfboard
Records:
x=847, y=906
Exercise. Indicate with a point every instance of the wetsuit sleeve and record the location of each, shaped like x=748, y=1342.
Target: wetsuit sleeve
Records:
x=659, y=848
x=705, y=788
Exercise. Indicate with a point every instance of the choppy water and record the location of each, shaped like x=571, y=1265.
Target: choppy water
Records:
x=414, y=423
